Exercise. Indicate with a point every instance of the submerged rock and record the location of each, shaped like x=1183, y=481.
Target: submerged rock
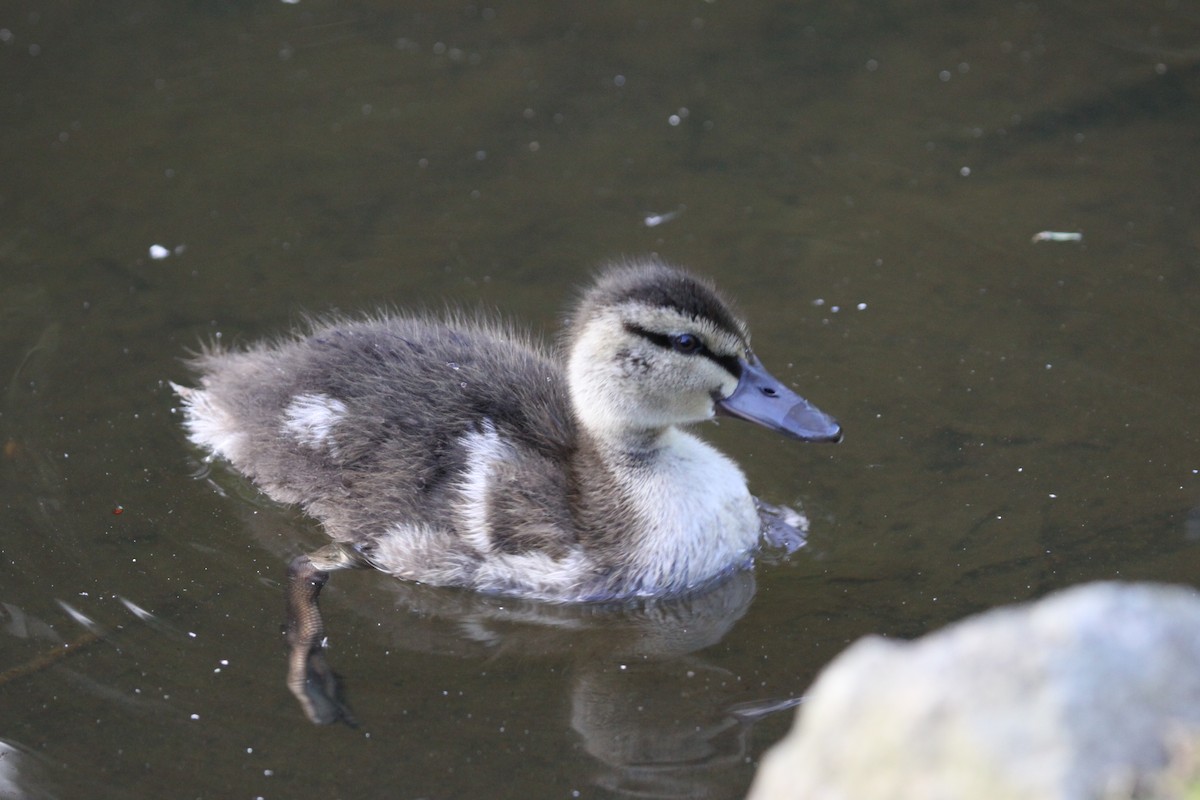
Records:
x=1093, y=692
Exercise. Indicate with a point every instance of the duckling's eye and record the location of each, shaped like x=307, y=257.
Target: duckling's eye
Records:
x=686, y=343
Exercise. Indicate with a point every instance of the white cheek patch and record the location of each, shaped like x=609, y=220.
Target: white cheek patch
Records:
x=311, y=418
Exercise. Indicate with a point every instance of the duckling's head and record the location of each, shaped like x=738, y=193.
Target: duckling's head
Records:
x=651, y=346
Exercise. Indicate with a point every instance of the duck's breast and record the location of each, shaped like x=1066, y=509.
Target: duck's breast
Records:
x=697, y=516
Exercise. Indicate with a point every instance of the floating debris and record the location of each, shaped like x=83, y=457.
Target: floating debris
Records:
x=653, y=220
x=158, y=252
x=1057, y=236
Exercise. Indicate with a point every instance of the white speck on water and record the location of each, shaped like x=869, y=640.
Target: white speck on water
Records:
x=1057, y=236
x=158, y=252
x=861, y=306
x=654, y=219
x=195, y=716
x=964, y=171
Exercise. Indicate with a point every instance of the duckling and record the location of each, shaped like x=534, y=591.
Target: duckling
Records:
x=459, y=452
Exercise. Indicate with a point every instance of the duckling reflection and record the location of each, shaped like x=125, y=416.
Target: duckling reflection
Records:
x=459, y=453
x=667, y=729
x=654, y=714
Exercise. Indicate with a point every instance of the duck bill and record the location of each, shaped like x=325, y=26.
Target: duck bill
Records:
x=760, y=398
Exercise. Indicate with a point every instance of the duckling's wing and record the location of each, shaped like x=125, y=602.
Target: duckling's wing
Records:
x=368, y=423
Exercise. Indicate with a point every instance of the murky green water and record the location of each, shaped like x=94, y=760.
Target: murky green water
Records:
x=865, y=180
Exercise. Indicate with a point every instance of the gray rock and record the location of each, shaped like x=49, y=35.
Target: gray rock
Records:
x=1093, y=692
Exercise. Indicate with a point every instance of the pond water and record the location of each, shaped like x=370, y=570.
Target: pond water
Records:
x=865, y=179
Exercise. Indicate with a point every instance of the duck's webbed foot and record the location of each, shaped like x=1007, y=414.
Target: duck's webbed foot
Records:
x=309, y=676
x=781, y=526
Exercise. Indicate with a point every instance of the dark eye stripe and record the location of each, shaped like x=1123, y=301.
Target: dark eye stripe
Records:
x=728, y=363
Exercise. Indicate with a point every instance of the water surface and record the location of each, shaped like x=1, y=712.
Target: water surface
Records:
x=865, y=181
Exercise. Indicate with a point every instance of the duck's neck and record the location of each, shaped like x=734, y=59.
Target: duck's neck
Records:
x=630, y=445
x=667, y=509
